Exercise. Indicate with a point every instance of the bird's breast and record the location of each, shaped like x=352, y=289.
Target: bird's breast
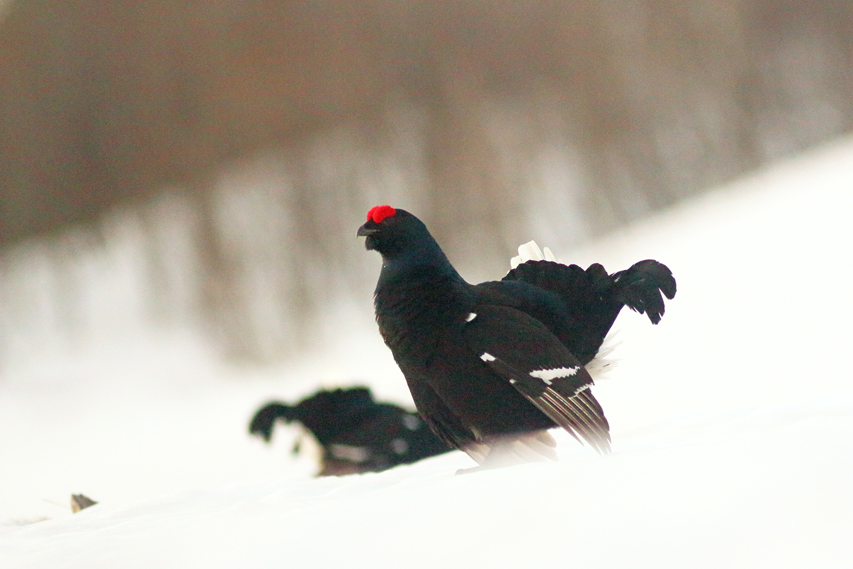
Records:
x=414, y=317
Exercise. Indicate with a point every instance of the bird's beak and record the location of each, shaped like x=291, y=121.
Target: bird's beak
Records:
x=365, y=231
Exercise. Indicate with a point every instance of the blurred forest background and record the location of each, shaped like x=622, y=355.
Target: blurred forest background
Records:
x=205, y=164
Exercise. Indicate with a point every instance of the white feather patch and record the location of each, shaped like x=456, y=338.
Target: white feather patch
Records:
x=602, y=363
x=509, y=450
x=549, y=375
x=349, y=452
x=530, y=252
x=527, y=252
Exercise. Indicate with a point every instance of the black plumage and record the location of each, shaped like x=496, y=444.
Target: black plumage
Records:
x=356, y=433
x=493, y=365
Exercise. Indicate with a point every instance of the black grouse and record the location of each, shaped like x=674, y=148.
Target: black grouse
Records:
x=492, y=366
x=356, y=433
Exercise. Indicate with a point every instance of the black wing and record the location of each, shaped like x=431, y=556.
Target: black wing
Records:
x=522, y=351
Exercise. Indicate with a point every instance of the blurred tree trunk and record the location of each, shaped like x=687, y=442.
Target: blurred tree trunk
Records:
x=274, y=125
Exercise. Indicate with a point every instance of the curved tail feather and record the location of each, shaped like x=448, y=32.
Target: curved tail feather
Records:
x=264, y=420
x=640, y=287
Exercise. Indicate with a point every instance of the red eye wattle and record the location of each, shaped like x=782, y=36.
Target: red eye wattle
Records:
x=380, y=212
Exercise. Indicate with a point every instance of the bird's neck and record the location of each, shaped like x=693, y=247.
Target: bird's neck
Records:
x=415, y=302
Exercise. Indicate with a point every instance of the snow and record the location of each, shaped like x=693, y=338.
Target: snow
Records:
x=732, y=426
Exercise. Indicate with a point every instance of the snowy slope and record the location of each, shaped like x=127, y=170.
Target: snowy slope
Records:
x=732, y=424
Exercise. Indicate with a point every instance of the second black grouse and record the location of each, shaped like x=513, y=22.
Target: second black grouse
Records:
x=492, y=366
x=357, y=433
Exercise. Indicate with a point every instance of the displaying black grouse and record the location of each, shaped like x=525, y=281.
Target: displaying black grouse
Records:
x=357, y=433
x=491, y=366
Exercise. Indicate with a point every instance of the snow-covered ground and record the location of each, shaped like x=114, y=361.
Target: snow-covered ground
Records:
x=732, y=426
